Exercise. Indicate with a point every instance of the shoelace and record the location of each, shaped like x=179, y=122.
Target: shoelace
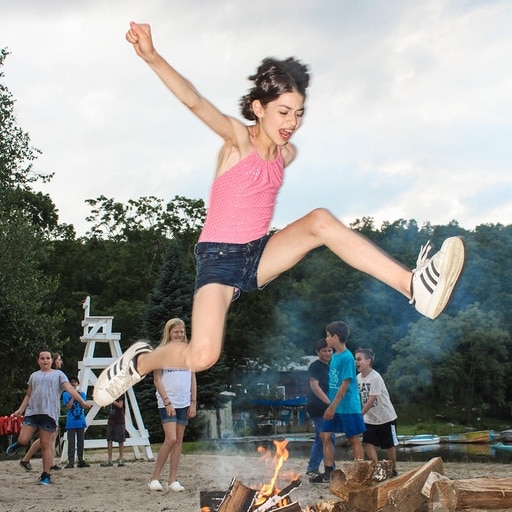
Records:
x=422, y=261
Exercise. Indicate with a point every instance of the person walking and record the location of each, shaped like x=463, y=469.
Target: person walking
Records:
x=378, y=411
x=344, y=411
x=25, y=461
x=41, y=406
x=317, y=402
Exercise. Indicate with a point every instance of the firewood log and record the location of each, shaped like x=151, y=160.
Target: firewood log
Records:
x=407, y=497
x=353, y=475
x=433, y=477
x=333, y=506
x=405, y=490
x=239, y=498
x=481, y=493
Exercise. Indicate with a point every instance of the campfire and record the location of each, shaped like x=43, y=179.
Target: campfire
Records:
x=268, y=497
x=367, y=486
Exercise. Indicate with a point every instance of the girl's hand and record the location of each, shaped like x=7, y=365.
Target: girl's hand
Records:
x=140, y=36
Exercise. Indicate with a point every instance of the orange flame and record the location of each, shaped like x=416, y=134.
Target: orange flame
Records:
x=280, y=456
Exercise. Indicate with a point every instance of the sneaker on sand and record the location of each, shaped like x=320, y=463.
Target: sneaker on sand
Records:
x=322, y=478
x=55, y=467
x=13, y=449
x=120, y=376
x=175, y=486
x=69, y=465
x=155, y=485
x=434, y=279
x=121, y=463
x=44, y=479
x=26, y=465
x=312, y=473
x=106, y=464
x=83, y=464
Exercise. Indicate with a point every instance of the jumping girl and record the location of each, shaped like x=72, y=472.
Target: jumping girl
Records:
x=235, y=253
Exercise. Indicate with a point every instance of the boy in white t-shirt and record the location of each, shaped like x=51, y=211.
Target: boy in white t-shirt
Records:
x=378, y=411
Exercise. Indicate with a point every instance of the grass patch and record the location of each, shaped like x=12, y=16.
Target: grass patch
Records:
x=428, y=418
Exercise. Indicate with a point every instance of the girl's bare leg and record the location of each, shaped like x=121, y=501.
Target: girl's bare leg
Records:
x=176, y=453
x=26, y=434
x=34, y=447
x=46, y=449
x=165, y=449
x=211, y=303
x=319, y=227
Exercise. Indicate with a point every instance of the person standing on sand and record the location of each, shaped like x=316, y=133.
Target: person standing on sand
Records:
x=41, y=406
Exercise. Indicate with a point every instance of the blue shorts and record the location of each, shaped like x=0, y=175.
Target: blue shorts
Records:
x=180, y=416
x=350, y=424
x=384, y=436
x=40, y=421
x=233, y=265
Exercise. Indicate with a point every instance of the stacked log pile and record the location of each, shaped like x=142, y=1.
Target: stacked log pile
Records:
x=365, y=486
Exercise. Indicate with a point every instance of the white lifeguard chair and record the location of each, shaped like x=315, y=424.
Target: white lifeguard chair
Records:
x=98, y=329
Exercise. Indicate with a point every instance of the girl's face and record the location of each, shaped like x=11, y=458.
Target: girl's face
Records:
x=57, y=362
x=45, y=361
x=282, y=117
x=177, y=333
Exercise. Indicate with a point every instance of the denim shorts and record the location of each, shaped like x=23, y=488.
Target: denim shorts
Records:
x=40, y=421
x=180, y=416
x=350, y=424
x=233, y=265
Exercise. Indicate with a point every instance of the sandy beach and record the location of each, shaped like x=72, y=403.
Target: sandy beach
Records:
x=118, y=489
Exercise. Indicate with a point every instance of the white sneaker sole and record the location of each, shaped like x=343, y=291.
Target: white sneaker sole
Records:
x=453, y=263
x=120, y=376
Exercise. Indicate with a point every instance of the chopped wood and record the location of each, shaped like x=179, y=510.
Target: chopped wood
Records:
x=433, y=477
x=403, y=489
x=355, y=475
x=239, y=498
x=293, y=507
x=408, y=497
x=333, y=506
x=278, y=498
x=485, y=493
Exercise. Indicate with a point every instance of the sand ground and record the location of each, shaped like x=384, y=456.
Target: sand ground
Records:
x=119, y=489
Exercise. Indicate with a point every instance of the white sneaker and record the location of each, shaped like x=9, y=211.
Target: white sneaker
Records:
x=434, y=279
x=155, y=485
x=175, y=486
x=120, y=376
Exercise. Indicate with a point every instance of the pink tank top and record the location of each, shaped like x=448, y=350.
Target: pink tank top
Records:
x=242, y=200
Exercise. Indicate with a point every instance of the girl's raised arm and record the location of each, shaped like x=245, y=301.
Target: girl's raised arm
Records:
x=140, y=36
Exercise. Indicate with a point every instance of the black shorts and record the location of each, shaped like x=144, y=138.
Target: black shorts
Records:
x=384, y=436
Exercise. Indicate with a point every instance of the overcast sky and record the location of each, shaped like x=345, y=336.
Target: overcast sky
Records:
x=409, y=113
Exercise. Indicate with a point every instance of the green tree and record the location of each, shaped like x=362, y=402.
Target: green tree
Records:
x=29, y=322
x=461, y=360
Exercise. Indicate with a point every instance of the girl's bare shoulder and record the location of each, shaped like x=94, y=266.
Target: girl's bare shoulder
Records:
x=289, y=152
